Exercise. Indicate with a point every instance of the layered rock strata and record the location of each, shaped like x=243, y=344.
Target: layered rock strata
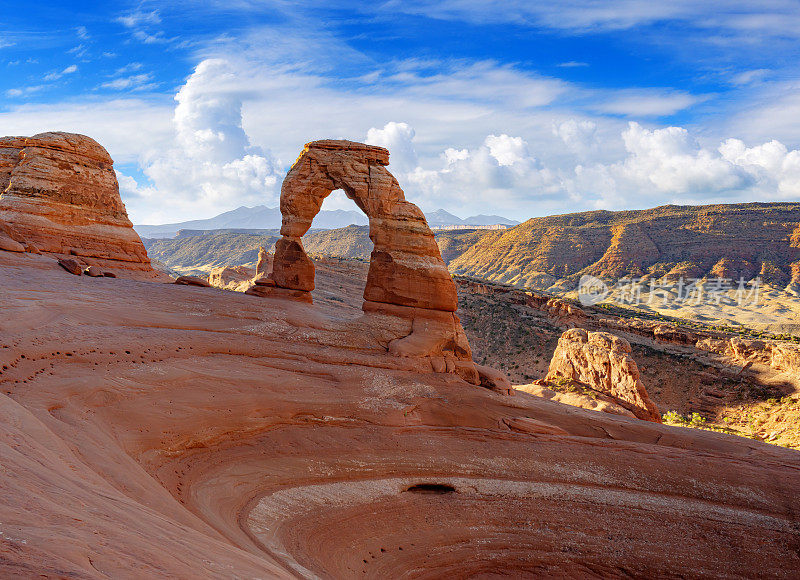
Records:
x=59, y=194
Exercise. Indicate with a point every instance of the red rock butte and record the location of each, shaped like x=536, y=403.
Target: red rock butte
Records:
x=59, y=194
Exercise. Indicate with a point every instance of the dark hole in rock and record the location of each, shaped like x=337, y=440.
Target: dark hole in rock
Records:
x=432, y=488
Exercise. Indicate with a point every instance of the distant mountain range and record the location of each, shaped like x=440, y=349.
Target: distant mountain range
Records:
x=441, y=218
x=262, y=217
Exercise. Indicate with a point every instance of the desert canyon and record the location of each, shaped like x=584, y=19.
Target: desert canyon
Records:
x=293, y=430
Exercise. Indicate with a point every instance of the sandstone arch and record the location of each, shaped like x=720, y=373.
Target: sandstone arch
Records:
x=406, y=267
x=407, y=277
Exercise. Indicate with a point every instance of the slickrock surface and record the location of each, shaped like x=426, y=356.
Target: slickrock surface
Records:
x=576, y=395
x=153, y=430
x=59, y=192
x=603, y=362
x=407, y=277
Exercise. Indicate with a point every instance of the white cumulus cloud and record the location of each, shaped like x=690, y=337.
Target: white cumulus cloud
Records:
x=397, y=138
x=211, y=165
x=656, y=166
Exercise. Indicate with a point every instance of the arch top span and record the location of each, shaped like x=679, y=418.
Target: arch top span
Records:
x=375, y=153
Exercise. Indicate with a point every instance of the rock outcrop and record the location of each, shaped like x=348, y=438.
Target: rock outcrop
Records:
x=59, y=193
x=192, y=281
x=237, y=278
x=406, y=267
x=71, y=266
x=407, y=277
x=584, y=398
x=262, y=266
x=602, y=362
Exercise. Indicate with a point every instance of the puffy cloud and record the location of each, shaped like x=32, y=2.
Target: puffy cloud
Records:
x=771, y=165
x=657, y=166
x=507, y=150
x=501, y=169
x=670, y=166
x=397, y=138
x=211, y=165
x=578, y=136
x=672, y=161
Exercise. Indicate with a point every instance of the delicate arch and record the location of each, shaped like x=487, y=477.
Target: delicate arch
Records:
x=406, y=267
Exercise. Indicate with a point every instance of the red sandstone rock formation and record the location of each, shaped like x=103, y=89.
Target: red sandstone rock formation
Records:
x=407, y=277
x=584, y=398
x=603, y=362
x=147, y=431
x=406, y=267
x=59, y=192
x=263, y=264
x=71, y=266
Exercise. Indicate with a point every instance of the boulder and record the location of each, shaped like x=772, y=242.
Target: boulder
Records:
x=71, y=266
x=785, y=357
x=93, y=271
x=192, y=281
x=602, y=362
x=60, y=193
x=230, y=277
x=10, y=245
x=494, y=380
x=262, y=266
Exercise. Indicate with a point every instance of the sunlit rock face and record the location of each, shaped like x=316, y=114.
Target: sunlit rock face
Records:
x=59, y=193
x=406, y=267
x=603, y=362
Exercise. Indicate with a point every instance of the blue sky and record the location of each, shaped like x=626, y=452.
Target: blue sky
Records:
x=517, y=108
